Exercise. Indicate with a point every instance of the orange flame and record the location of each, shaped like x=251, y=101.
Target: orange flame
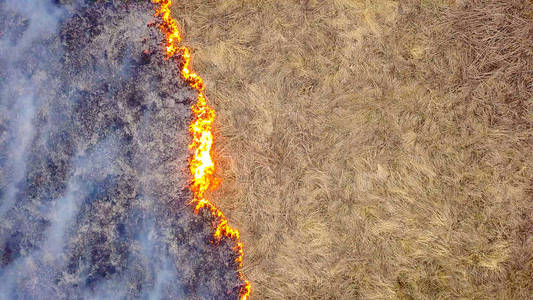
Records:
x=201, y=163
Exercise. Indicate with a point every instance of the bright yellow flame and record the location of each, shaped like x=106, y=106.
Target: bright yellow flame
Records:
x=201, y=163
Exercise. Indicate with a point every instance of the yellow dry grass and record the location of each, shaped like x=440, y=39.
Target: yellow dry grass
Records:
x=373, y=149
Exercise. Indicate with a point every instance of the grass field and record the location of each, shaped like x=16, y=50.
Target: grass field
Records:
x=373, y=149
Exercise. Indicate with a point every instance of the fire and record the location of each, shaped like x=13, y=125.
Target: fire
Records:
x=201, y=164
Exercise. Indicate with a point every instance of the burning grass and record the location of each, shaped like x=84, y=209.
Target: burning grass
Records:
x=201, y=164
x=373, y=149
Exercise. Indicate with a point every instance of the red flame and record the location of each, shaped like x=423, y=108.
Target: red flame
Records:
x=201, y=163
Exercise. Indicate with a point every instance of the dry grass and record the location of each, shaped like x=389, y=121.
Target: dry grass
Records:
x=373, y=149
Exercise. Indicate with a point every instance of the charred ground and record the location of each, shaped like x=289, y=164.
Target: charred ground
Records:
x=93, y=161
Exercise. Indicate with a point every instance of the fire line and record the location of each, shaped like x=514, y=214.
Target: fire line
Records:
x=201, y=163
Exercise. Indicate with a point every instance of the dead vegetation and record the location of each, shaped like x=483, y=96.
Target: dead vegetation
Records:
x=373, y=149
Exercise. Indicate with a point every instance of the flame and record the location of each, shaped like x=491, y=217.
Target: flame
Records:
x=201, y=163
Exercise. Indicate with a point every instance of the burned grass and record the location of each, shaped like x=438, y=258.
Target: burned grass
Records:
x=93, y=161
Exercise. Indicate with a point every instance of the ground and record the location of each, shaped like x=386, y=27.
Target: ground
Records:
x=373, y=149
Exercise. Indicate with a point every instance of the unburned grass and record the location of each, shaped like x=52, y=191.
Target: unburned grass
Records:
x=373, y=149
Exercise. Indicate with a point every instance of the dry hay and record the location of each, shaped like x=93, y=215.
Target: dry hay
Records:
x=373, y=149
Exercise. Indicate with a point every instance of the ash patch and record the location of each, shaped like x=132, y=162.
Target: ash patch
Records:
x=93, y=161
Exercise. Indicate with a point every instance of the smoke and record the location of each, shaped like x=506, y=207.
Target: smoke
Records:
x=93, y=160
x=20, y=84
x=61, y=213
x=163, y=269
x=42, y=19
x=21, y=133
